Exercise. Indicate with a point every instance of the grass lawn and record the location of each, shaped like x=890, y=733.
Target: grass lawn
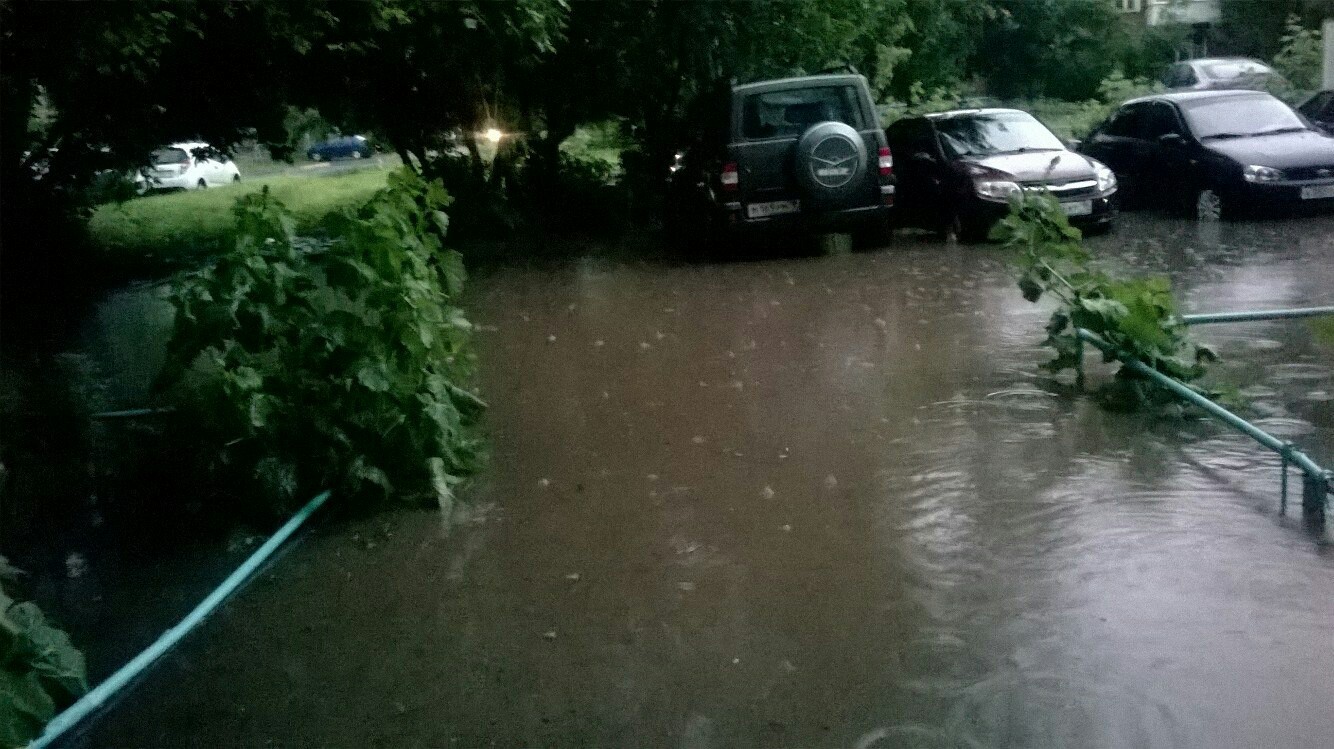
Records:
x=164, y=230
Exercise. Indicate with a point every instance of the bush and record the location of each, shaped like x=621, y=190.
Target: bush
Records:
x=338, y=363
x=40, y=671
x=582, y=192
x=1301, y=57
x=1075, y=119
x=923, y=101
x=1068, y=119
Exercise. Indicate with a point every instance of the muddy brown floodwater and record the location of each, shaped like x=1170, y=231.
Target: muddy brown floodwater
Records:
x=813, y=502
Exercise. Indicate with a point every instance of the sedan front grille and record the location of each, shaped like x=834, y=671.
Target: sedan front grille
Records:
x=1305, y=173
x=1063, y=191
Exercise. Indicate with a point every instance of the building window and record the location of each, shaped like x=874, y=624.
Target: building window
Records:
x=1130, y=6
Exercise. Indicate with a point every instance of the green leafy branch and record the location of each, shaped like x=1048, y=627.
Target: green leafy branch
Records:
x=1137, y=316
x=40, y=671
x=341, y=362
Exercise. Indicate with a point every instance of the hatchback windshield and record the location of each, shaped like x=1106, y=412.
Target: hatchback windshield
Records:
x=1005, y=132
x=169, y=156
x=1240, y=116
x=775, y=114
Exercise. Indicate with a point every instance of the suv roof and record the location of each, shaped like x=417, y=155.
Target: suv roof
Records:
x=798, y=82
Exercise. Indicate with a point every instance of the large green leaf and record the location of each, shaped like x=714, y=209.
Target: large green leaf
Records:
x=25, y=708
x=53, y=657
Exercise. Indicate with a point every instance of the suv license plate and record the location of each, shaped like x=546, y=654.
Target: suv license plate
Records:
x=1316, y=192
x=1078, y=208
x=777, y=207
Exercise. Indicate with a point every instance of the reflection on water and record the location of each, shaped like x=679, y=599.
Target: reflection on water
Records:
x=815, y=502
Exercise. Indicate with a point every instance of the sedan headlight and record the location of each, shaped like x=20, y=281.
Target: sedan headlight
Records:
x=996, y=189
x=1255, y=173
x=1106, y=179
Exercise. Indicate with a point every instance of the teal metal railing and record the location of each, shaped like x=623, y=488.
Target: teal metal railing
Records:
x=1272, y=314
x=1315, y=487
x=98, y=696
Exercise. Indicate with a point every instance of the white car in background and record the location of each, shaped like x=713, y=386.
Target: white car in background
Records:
x=186, y=166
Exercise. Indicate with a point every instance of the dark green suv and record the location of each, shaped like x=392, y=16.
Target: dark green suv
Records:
x=785, y=155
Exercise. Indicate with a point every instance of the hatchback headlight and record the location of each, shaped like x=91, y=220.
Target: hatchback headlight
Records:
x=1106, y=179
x=1254, y=173
x=996, y=189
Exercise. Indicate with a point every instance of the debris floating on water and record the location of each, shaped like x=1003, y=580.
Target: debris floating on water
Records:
x=76, y=565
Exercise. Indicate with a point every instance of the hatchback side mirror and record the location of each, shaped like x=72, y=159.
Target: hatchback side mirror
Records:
x=1073, y=144
x=1171, y=139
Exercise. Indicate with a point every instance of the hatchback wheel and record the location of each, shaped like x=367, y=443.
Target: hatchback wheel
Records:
x=236, y=178
x=315, y=157
x=356, y=154
x=1208, y=205
x=202, y=185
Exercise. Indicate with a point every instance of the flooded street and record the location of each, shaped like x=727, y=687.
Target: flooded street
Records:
x=814, y=502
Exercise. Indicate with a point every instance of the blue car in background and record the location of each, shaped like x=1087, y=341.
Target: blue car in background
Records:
x=343, y=147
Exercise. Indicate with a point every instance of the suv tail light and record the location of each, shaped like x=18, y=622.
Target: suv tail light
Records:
x=730, y=179
x=886, y=162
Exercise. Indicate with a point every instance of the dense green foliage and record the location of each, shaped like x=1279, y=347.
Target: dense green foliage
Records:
x=341, y=363
x=1300, y=59
x=40, y=671
x=1068, y=119
x=1137, y=316
x=1255, y=28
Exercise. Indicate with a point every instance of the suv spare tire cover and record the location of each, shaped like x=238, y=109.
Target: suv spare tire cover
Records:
x=830, y=159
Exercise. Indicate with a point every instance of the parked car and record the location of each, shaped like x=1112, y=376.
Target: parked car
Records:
x=342, y=147
x=1215, y=153
x=958, y=170
x=1319, y=109
x=1218, y=73
x=783, y=155
x=186, y=166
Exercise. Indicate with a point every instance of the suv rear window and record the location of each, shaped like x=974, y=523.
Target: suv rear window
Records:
x=777, y=114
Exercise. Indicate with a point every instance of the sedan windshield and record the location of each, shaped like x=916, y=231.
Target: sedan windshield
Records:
x=988, y=134
x=1241, y=116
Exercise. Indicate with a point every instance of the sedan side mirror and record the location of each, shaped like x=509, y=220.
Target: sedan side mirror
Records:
x=1171, y=139
x=1073, y=144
